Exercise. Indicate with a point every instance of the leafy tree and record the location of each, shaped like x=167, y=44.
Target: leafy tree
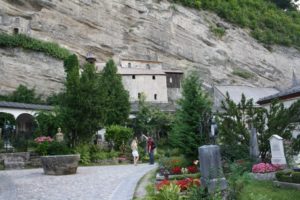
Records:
x=151, y=120
x=48, y=123
x=116, y=102
x=191, y=125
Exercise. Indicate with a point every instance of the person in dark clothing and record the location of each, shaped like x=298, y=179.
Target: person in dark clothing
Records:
x=150, y=149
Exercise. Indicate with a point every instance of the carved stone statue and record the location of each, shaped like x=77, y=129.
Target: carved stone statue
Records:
x=59, y=137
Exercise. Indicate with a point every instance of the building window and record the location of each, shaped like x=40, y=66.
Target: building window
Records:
x=153, y=77
x=171, y=80
x=17, y=20
x=129, y=65
x=139, y=95
x=155, y=96
x=16, y=31
x=133, y=76
x=148, y=66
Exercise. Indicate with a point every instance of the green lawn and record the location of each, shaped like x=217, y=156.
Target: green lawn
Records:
x=264, y=190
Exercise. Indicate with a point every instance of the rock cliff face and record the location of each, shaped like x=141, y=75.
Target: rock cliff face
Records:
x=137, y=29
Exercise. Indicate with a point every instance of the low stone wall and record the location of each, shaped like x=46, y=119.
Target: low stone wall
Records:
x=14, y=160
x=286, y=185
x=263, y=177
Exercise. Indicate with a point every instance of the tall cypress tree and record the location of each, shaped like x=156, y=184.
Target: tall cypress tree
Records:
x=81, y=101
x=191, y=127
x=116, y=99
x=71, y=98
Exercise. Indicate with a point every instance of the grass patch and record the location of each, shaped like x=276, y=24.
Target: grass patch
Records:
x=219, y=32
x=26, y=42
x=243, y=73
x=264, y=190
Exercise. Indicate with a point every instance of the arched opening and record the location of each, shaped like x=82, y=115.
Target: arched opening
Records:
x=16, y=31
x=26, y=125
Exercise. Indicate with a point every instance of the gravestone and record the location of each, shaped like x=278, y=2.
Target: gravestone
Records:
x=277, y=150
x=254, y=150
x=212, y=176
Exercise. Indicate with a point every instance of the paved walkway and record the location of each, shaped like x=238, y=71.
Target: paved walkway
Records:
x=101, y=182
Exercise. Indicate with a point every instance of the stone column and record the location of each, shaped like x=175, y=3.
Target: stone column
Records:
x=254, y=150
x=212, y=176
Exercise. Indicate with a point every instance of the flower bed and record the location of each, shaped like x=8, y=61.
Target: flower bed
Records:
x=183, y=184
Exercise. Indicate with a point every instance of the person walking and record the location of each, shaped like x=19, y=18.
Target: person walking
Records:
x=135, y=153
x=150, y=149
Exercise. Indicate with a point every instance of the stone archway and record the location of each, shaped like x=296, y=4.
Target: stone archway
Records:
x=25, y=125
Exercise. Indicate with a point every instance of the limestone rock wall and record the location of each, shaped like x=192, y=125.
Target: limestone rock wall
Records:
x=141, y=29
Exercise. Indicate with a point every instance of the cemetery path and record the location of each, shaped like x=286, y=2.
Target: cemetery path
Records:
x=98, y=182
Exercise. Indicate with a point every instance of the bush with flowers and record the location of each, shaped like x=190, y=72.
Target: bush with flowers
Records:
x=265, y=168
x=45, y=145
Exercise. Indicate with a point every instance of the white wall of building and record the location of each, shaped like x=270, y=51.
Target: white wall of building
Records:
x=286, y=103
x=141, y=64
x=147, y=85
x=16, y=112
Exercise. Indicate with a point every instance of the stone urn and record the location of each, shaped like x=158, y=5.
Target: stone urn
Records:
x=60, y=164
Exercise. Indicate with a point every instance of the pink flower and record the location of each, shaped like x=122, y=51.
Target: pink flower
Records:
x=265, y=168
x=42, y=139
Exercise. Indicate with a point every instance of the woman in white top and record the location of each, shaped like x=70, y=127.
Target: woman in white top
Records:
x=135, y=153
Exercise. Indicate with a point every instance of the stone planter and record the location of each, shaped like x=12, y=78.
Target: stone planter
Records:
x=264, y=176
x=60, y=164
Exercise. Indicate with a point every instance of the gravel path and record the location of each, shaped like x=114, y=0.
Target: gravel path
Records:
x=101, y=182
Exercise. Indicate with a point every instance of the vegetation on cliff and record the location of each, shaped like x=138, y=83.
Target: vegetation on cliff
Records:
x=26, y=42
x=268, y=22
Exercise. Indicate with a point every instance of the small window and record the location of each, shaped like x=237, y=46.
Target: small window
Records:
x=148, y=66
x=129, y=65
x=139, y=95
x=16, y=30
x=133, y=76
x=155, y=96
x=153, y=77
x=171, y=80
x=17, y=20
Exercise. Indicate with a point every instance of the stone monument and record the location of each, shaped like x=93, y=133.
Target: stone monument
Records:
x=212, y=176
x=277, y=150
x=59, y=137
x=254, y=150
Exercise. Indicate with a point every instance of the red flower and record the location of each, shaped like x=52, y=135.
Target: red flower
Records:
x=176, y=170
x=193, y=169
x=160, y=185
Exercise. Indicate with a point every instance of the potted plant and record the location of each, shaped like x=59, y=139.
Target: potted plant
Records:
x=56, y=157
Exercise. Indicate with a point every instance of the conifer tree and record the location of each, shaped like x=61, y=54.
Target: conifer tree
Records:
x=191, y=126
x=116, y=99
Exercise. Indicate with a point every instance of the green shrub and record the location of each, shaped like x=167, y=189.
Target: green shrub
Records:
x=169, y=192
x=84, y=151
x=296, y=177
x=233, y=153
x=171, y=162
x=58, y=148
x=26, y=42
x=184, y=176
x=218, y=31
x=117, y=135
x=52, y=148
